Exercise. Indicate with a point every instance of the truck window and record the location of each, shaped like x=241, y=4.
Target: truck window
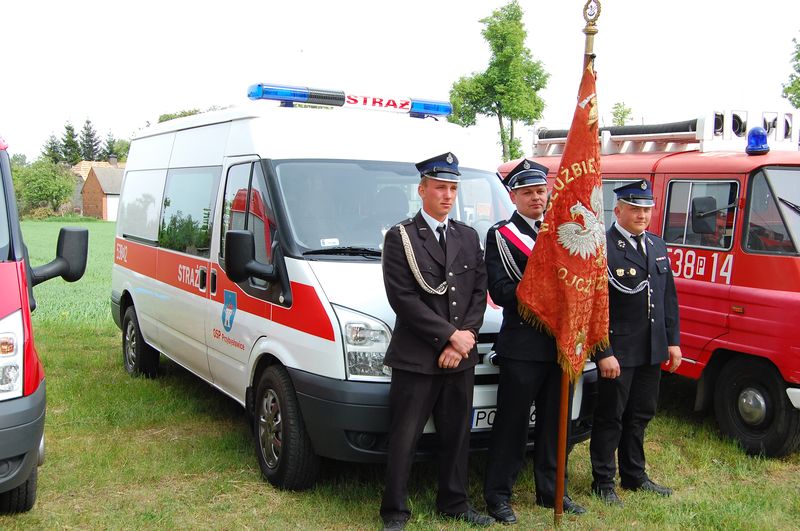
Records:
x=140, y=205
x=340, y=203
x=678, y=219
x=610, y=199
x=247, y=206
x=773, y=212
x=5, y=246
x=187, y=207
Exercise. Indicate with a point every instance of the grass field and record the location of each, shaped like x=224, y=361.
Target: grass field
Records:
x=173, y=453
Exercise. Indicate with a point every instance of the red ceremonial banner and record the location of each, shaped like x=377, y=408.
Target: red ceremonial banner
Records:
x=564, y=288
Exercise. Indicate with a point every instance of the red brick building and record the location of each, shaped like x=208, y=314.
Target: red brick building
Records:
x=100, y=192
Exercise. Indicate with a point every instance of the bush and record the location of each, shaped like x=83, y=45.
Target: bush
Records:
x=39, y=213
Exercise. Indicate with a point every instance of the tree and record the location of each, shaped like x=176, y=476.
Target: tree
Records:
x=179, y=114
x=45, y=183
x=791, y=90
x=620, y=113
x=70, y=149
x=121, y=148
x=52, y=149
x=108, y=147
x=89, y=143
x=509, y=87
x=18, y=160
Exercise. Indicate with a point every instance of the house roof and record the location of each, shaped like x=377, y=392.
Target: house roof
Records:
x=82, y=168
x=110, y=179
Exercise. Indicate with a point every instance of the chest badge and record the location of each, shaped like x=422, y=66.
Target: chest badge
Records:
x=632, y=272
x=620, y=272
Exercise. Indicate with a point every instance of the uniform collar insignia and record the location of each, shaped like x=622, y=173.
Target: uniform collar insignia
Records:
x=621, y=244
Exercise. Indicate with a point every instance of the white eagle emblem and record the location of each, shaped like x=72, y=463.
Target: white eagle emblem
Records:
x=584, y=239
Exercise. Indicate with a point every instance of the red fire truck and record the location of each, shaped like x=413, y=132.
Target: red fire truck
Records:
x=728, y=206
x=22, y=384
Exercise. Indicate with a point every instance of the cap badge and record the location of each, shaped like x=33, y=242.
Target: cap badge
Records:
x=449, y=158
x=526, y=165
x=644, y=185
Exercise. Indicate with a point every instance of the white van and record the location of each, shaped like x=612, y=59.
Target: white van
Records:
x=248, y=250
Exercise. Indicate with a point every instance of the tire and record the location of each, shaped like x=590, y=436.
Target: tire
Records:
x=752, y=407
x=21, y=498
x=138, y=357
x=283, y=448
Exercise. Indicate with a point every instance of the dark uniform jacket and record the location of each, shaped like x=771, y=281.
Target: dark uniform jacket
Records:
x=517, y=339
x=426, y=321
x=639, y=337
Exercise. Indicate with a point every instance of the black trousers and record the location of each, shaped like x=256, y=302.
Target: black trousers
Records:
x=522, y=383
x=413, y=397
x=625, y=406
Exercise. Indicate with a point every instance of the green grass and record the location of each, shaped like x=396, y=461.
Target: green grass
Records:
x=174, y=453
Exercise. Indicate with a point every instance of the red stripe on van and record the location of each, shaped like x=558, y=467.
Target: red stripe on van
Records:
x=307, y=313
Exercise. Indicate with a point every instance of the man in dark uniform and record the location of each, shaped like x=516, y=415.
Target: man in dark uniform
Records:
x=529, y=371
x=644, y=332
x=435, y=280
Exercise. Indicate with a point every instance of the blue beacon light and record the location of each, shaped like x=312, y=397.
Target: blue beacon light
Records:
x=288, y=95
x=757, y=142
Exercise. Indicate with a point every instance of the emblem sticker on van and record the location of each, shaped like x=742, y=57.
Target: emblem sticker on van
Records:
x=228, y=310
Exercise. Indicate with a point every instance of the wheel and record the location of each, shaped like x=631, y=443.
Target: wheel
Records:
x=21, y=498
x=137, y=356
x=284, y=450
x=751, y=406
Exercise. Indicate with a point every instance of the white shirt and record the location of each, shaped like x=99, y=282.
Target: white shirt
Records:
x=433, y=223
x=531, y=221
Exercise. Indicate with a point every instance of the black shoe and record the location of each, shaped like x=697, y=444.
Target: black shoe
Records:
x=471, y=516
x=394, y=525
x=568, y=505
x=503, y=513
x=648, y=486
x=608, y=495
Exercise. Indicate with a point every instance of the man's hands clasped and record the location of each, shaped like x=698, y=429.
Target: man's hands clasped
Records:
x=458, y=348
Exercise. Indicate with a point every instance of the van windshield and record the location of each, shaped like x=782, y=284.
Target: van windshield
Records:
x=345, y=207
x=774, y=211
x=5, y=239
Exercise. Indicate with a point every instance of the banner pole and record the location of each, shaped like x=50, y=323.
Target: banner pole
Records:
x=591, y=12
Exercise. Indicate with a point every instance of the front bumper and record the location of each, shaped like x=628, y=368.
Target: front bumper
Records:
x=349, y=421
x=21, y=432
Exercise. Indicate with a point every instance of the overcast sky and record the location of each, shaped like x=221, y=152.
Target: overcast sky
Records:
x=122, y=64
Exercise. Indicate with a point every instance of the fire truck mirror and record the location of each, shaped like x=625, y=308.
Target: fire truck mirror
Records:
x=703, y=219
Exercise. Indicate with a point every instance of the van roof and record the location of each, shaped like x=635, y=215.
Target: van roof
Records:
x=275, y=132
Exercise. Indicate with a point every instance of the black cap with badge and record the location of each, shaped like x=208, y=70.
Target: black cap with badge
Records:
x=637, y=193
x=442, y=167
x=526, y=173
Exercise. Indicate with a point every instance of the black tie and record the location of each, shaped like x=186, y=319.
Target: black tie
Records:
x=640, y=245
x=442, y=242
x=537, y=225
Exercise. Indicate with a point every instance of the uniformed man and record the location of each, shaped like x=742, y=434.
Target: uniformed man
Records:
x=644, y=332
x=435, y=281
x=529, y=371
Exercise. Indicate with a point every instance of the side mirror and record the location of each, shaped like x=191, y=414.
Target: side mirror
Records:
x=240, y=261
x=70, y=262
x=704, y=219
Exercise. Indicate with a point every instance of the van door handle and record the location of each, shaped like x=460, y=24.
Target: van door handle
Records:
x=203, y=274
x=213, y=281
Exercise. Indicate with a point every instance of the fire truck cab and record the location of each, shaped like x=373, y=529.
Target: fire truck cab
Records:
x=728, y=207
x=22, y=385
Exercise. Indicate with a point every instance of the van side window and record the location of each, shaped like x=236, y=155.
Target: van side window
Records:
x=610, y=199
x=188, y=203
x=719, y=200
x=771, y=205
x=247, y=207
x=140, y=205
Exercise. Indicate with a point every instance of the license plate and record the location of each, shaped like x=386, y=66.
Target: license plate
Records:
x=483, y=418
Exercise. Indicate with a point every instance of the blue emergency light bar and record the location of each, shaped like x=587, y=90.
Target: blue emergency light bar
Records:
x=289, y=95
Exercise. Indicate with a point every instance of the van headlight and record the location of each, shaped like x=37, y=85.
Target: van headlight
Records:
x=11, y=341
x=365, y=342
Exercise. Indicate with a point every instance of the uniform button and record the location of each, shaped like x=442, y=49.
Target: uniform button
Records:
x=450, y=273
x=651, y=291
x=648, y=276
x=454, y=303
x=652, y=320
x=465, y=266
x=456, y=318
x=652, y=305
x=610, y=331
x=435, y=339
x=453, y=288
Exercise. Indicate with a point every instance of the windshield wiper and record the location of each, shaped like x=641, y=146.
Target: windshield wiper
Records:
x=349, y=251
x=790, y=205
